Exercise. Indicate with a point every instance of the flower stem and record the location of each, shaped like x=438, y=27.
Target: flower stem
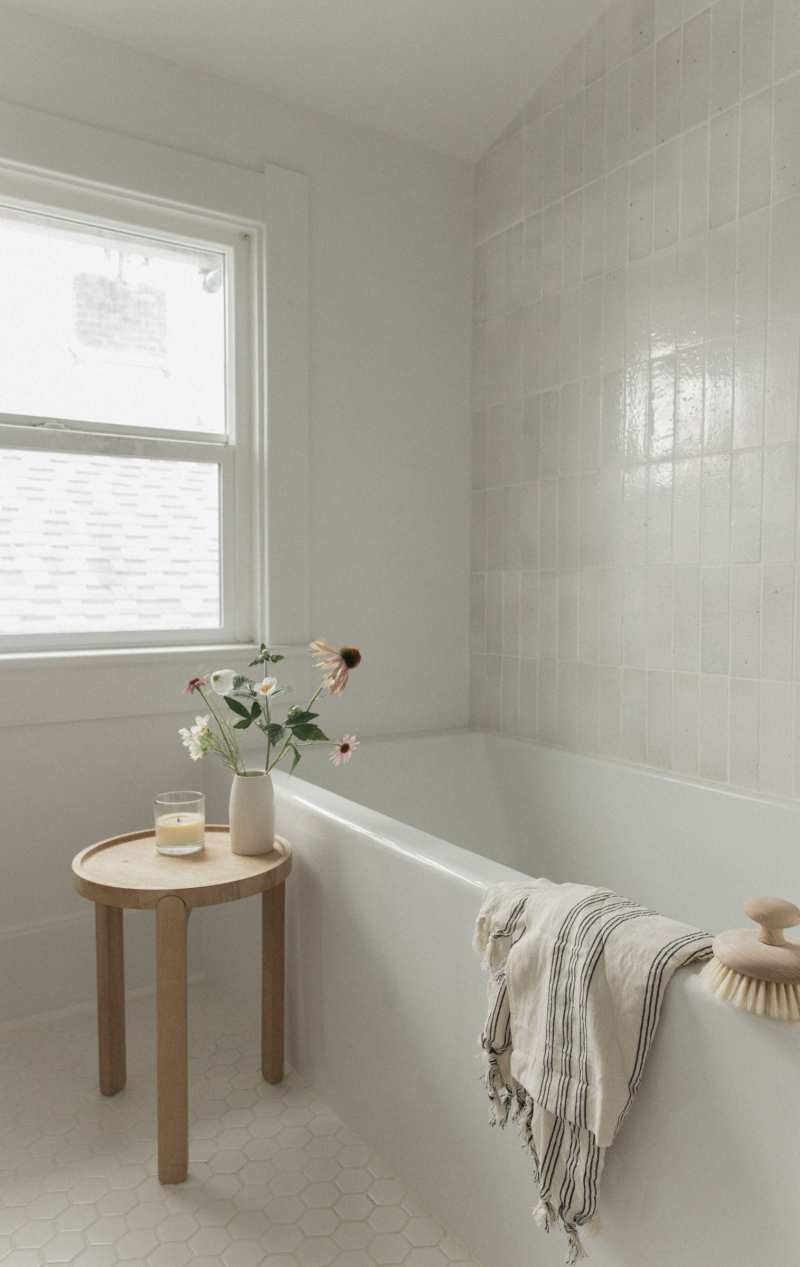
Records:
x=283, y=750
x=233, y=755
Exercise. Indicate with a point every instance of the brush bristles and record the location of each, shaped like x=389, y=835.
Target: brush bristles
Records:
x=763, y=998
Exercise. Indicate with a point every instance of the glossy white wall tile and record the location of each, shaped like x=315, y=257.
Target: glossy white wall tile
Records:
x=635, y=396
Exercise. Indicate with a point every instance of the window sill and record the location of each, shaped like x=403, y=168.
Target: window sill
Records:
x=50, y=688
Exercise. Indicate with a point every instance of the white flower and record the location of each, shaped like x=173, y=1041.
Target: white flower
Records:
x=222, y=681
x=196, y=737
x=267, y=687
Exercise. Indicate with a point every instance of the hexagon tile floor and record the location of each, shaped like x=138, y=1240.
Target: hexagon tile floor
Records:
x=276, y=1179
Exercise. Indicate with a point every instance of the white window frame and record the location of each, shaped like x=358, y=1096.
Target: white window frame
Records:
x=233, y=453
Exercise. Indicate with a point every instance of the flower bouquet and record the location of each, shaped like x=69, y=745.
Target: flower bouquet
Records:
x=237, y=703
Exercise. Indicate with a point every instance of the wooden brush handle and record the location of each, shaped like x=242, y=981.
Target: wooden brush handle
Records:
x=773, y=914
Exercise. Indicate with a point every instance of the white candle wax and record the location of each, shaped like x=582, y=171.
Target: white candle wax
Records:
x=180, y=829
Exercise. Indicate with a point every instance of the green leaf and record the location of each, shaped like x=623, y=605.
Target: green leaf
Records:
x=242, y=725
x=275, y=732
x=263, y=655
x=255, y=710
x=295, y=758
x=307, y=732
x=275, y=659
x=296, y=715
x=240, y=682
x=236, y=707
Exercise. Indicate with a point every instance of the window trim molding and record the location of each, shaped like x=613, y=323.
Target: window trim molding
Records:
x=275, y=203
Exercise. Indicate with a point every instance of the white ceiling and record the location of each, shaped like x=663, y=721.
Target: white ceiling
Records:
x=448, y=73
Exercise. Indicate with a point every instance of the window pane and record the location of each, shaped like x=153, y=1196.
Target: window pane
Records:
x=93, y=544
x=102, y=326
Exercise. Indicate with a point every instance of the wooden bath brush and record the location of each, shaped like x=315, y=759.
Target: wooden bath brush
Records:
x=759, y=969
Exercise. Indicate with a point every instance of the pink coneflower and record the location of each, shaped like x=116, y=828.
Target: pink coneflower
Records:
x=344, y=749
x=194, y=684
x=336, y=664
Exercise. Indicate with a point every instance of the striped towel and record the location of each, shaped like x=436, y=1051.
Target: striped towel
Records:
x=577, y=978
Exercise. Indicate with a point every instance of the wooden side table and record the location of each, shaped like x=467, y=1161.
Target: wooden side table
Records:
x=126, y=872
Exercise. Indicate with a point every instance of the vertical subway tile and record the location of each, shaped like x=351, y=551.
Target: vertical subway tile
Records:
x=686, y=619
x=586, y=721
x=643, y=24
x=786, y=140
x=746, y=621
x=659, y=599
x=634, y=715
x=685, y=710
x=716, y=504
x=686, y=511
x=777, y=621
x=780, y=479
x=548, y=615
x=510, y=642
x=494, y=612
x=785, y=261
x=634, y=618
x=594, y=53
x=574, y=110
x=715, y=620
x=609, y=711
x=782, y=377
x=509, y=695
x=615, y=242
x=477, y=612
x=721, y=312
x=573, y=239
x=755, y=155
x=594, y=126
x=787, y=37
x=568, y=616
x=666, y=194
x=640, y=208
x=776, y=739
x=723, y=167
x=757, y=18
x=528, y=690
x=725, y=53
x=667, y=17
x=748, y=388
x=662, y=408
x=695, y=64
x=642, y=101
x=746, y=474
x=619, y=32
x=668, y=85
x=529, y=615
x=752, y=259
x=744, y=734
x=567, y=706
x=718, y=396
x=689, y=402
x=659, y=512
x=617, y=116
x=713, y=728
x=659, y=720
x=694, y=181
x=547, y=702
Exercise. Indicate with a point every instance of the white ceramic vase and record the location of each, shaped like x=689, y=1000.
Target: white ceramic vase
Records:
x=252, y=813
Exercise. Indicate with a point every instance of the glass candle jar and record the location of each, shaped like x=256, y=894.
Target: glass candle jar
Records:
x=180, y=819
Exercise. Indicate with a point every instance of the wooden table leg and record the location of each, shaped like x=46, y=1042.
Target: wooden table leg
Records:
x=110, y=998
x=272, y=982
x=172, y=919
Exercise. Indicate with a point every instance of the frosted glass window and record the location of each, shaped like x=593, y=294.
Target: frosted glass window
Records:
x=102, y=326
x=93, y=543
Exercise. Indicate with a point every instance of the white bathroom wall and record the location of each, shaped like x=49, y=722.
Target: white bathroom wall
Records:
x=637, y=325
x=390, y=263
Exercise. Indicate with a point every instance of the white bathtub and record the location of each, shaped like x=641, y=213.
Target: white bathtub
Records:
x=387, y=998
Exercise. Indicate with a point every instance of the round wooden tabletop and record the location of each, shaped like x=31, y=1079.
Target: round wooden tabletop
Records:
x=128, y=871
